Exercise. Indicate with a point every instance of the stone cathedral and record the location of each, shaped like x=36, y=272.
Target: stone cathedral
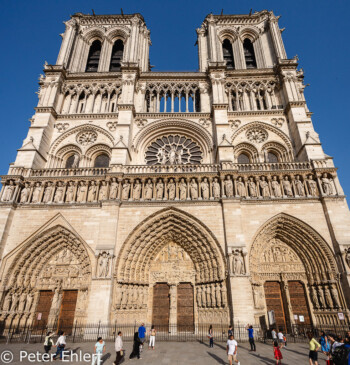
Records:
x=173, y=198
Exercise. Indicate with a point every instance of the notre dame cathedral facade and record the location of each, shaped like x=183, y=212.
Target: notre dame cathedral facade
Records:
x=173, y=197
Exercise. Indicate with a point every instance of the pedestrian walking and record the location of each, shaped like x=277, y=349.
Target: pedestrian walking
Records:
x=152, y=337
x=231, y=350
x=60, y=344
x=325, y=345
x=250, y=330
x=314, y=346
x=280, y=338
x=229, y=332
x=48, y=342
x=99, y=349
x=136, y=347
x=277, y=353
x=119, y=348
x=142, y=335
x=211, y=336
x=274, y=335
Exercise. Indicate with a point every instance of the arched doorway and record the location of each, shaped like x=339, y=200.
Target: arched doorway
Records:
x=47, y=281
x=170, y=270
x=294, y=274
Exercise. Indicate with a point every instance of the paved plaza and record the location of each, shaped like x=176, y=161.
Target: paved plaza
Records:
x=175, y=353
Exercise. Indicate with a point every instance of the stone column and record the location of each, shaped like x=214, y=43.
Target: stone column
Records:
x=173, y=308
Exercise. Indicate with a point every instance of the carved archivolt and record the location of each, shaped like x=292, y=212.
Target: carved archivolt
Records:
x=77, y=131
x=246, y=148
x=55, y=254
x=170, y=225
x=299, y=245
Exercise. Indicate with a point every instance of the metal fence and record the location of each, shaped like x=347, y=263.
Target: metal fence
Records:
x=90, y=332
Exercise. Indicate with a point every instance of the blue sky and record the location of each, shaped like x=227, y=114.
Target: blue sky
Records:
x=317, y=31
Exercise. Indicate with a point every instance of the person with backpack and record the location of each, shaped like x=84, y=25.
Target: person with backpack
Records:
x=314, y=346
x=339, y=352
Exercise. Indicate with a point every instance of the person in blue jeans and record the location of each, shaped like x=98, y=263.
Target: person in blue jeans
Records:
x=60, y=344
x=211, y=336
x=142, y=334
x=250, y=330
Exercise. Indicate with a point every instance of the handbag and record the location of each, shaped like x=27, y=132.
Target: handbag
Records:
x=121, y=352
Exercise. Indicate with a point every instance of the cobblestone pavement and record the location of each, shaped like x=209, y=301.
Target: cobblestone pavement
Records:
x=183, y=353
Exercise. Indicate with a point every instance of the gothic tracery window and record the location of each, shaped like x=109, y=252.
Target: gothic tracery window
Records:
x=249, y=53
x=228, y=54
x=243, y=158
x=102, y=160
x=94, y=56
x=117, y=56
x=173, y=150
x=272, y=157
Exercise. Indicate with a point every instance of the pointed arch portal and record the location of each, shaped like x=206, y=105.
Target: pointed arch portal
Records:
x=294, y=274
x=171, y=254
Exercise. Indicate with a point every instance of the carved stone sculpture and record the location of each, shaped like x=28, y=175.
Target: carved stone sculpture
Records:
x=47, y=193
x=194, y=189
x=36, y=193
x=7, y=302
x=276, y=187
x=22, y=302
x=59, y=193
x=114, y=189
x=216, y=188
x=299, y=186
x=252, y=188
x=103, y=265
x=327, y=185
x=30, y=297
x=183, y=189
x=328, y=298
x=171, y=189
x=312, y=186
x=102, y=194
x=14, y=302
x=241, y=187
x=347, y=256
x=70, y=192
x=8, y=192
x=75, y=163
x=238, y=263
x=258, y=297
x=126, y=190
x=137, y=190
x=321, y=297
x=228, y=186
x=335, y=296
x=264, y=185
x=205, y=189
x=159, y=190
x=148, y=190
x=81, y=192
x=92, y=192
x=314, y=297
x=25, y=193
x=287, y=187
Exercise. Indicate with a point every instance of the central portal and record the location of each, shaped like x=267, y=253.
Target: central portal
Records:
x=161, y=306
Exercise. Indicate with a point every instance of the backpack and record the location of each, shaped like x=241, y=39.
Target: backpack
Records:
x=340, y=355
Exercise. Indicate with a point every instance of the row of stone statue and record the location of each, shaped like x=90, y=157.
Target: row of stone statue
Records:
x=167, y=189
x=325, y=296
x=212, y=295
x=18, y=301
x=129, y=296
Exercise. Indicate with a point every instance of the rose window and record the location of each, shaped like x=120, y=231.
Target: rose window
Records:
x=86, y=138
x=173, y=150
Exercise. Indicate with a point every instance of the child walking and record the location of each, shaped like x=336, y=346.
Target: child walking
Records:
x=277, y=353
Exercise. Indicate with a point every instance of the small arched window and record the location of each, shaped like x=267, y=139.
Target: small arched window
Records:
x=243, y=158
x=249, y=53
x=117, y=55
x=102, y=160
x=70, y=161
x=94, y=56
x=228, y=54
x=272, y=158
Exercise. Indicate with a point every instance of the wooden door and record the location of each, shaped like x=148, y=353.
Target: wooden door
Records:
x=161, y=306
x=298, y=301
x=43, y=308
x=274, y=301
x=185, y=310
x=67, y=311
